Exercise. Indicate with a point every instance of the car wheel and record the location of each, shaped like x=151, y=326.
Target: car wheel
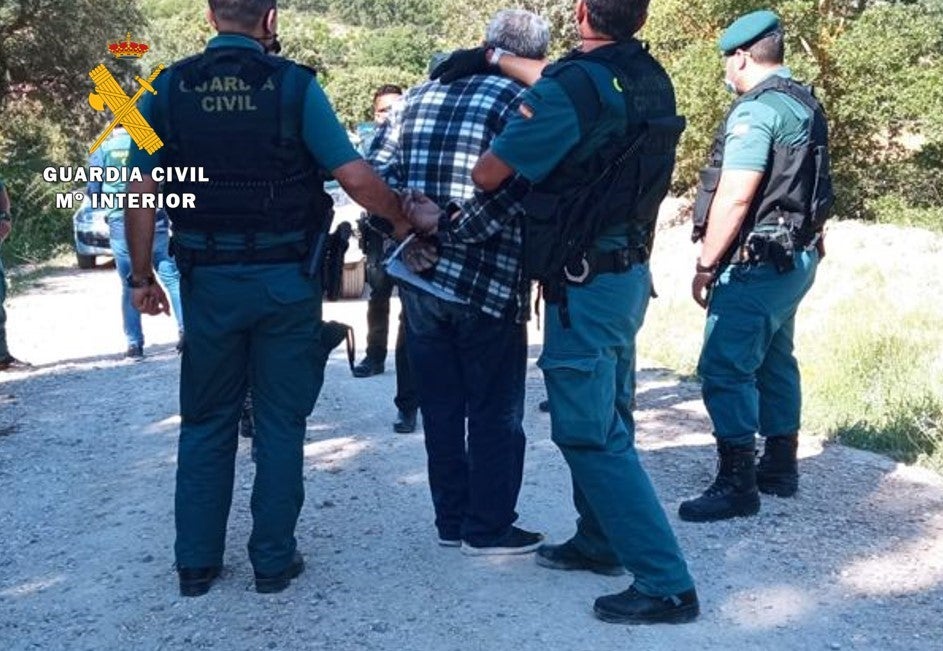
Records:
x=85, y=261
x=353, y=279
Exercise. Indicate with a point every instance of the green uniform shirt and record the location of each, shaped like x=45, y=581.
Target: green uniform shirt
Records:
x=757, y=124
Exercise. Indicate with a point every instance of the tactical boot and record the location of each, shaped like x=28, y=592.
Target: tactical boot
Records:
x=733, y=493
x=778, y=471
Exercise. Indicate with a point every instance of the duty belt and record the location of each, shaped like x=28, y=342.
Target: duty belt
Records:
x=186, y=257
x=596, y=262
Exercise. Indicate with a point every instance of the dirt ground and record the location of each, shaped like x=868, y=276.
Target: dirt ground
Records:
x=87, y=459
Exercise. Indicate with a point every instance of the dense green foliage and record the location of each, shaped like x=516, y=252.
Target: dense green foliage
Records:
x=877, y=65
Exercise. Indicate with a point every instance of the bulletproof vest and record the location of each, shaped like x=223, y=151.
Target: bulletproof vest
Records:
x=115, y=153
x=615, y=187
x=796, y=189
x=237, y=113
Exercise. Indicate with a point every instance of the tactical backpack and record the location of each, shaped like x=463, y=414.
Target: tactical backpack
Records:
x=625, y=183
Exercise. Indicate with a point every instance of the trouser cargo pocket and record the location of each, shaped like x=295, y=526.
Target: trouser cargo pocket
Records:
x=581, y=390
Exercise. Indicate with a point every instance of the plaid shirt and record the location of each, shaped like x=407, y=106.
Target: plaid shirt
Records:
x=433, y=140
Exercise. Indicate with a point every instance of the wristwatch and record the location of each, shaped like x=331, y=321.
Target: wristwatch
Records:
x=701, y=269
x=135, y=283
x=496, y=55
x=4, y=216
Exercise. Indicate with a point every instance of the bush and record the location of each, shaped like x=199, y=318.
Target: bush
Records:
x=30, y=142
x=351, y=90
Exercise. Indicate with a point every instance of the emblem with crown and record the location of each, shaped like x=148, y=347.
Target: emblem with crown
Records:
x=128, y=48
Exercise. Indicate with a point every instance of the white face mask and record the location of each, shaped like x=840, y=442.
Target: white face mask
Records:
x=729, y=85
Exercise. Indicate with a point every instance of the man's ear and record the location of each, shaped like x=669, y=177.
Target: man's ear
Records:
x=580, y=12
x=270, y=22
x=211, y=19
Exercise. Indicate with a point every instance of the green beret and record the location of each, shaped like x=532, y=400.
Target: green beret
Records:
x=748, y=29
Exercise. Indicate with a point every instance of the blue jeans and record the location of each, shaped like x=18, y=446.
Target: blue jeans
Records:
x=588, y=369
x=469, y=365
x=749, y=375
x=166, y=270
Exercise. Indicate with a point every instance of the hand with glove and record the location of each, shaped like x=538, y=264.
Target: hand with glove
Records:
x=462, y=63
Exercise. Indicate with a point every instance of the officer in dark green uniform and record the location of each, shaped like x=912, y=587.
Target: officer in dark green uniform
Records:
x=575, y=120
x=262, y=130
x=760, y=210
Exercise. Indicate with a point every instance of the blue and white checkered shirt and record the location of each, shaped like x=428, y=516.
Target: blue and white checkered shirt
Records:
x=435, y=136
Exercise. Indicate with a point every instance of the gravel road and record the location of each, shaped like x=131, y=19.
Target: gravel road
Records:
x=87, y=457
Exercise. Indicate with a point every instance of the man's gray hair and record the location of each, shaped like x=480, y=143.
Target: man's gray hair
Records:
x=520, y=32
x=245, y=13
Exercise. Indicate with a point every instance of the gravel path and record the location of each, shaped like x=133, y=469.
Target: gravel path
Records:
x=87, y=454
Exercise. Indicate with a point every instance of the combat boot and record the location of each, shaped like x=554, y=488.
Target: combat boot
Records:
x=733, y=493
x=778, y=470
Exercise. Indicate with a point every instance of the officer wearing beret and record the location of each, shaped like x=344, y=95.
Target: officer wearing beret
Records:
x=760, y=209
x=263, y=131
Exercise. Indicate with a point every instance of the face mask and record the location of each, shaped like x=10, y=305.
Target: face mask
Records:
x=270, y=44
x=730, y=87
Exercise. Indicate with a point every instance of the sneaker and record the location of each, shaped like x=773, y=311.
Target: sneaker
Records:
x=450, y=542
x=568, y=557
x=633, y=607
x=271, y=583
x=134, y=351
x=515, y=541
x=11, y=363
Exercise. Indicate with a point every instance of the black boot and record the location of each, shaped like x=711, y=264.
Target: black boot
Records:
x=778, y=471
x=733, y=493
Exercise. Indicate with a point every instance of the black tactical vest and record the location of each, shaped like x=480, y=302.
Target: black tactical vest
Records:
x=796, y=189
x=616, y=187
x=237, y=113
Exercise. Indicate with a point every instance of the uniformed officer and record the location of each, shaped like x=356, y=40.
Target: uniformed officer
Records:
x=7, y=361
x=573, y=123
x=262, y=129
x=760, y=209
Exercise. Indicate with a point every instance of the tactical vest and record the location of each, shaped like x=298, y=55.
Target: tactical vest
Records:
x=237, y=113
x=617, y=187
x=796, y=189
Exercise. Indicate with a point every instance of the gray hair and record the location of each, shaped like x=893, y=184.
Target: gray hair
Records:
x=520, y=32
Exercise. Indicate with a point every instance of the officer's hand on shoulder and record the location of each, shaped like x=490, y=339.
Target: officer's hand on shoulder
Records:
x=460, y=64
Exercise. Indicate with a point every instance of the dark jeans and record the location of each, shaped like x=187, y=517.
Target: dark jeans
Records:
x=378, y=327
x=469, y=366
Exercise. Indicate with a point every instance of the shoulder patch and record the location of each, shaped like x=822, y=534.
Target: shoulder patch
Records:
x=740, y=129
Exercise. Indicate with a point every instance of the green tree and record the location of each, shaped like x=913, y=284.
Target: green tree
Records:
x=396, y=47
x=351, y=90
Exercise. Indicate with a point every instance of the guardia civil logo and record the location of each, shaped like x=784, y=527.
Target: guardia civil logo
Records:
x=108, y=93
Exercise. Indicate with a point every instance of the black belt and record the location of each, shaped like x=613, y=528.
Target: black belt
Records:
x=269, y=255
x=596, y=262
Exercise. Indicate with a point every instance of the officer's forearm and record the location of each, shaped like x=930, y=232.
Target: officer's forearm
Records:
x=735, y=192
x=139, y=229
x=366, y=188
x=526, y=71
